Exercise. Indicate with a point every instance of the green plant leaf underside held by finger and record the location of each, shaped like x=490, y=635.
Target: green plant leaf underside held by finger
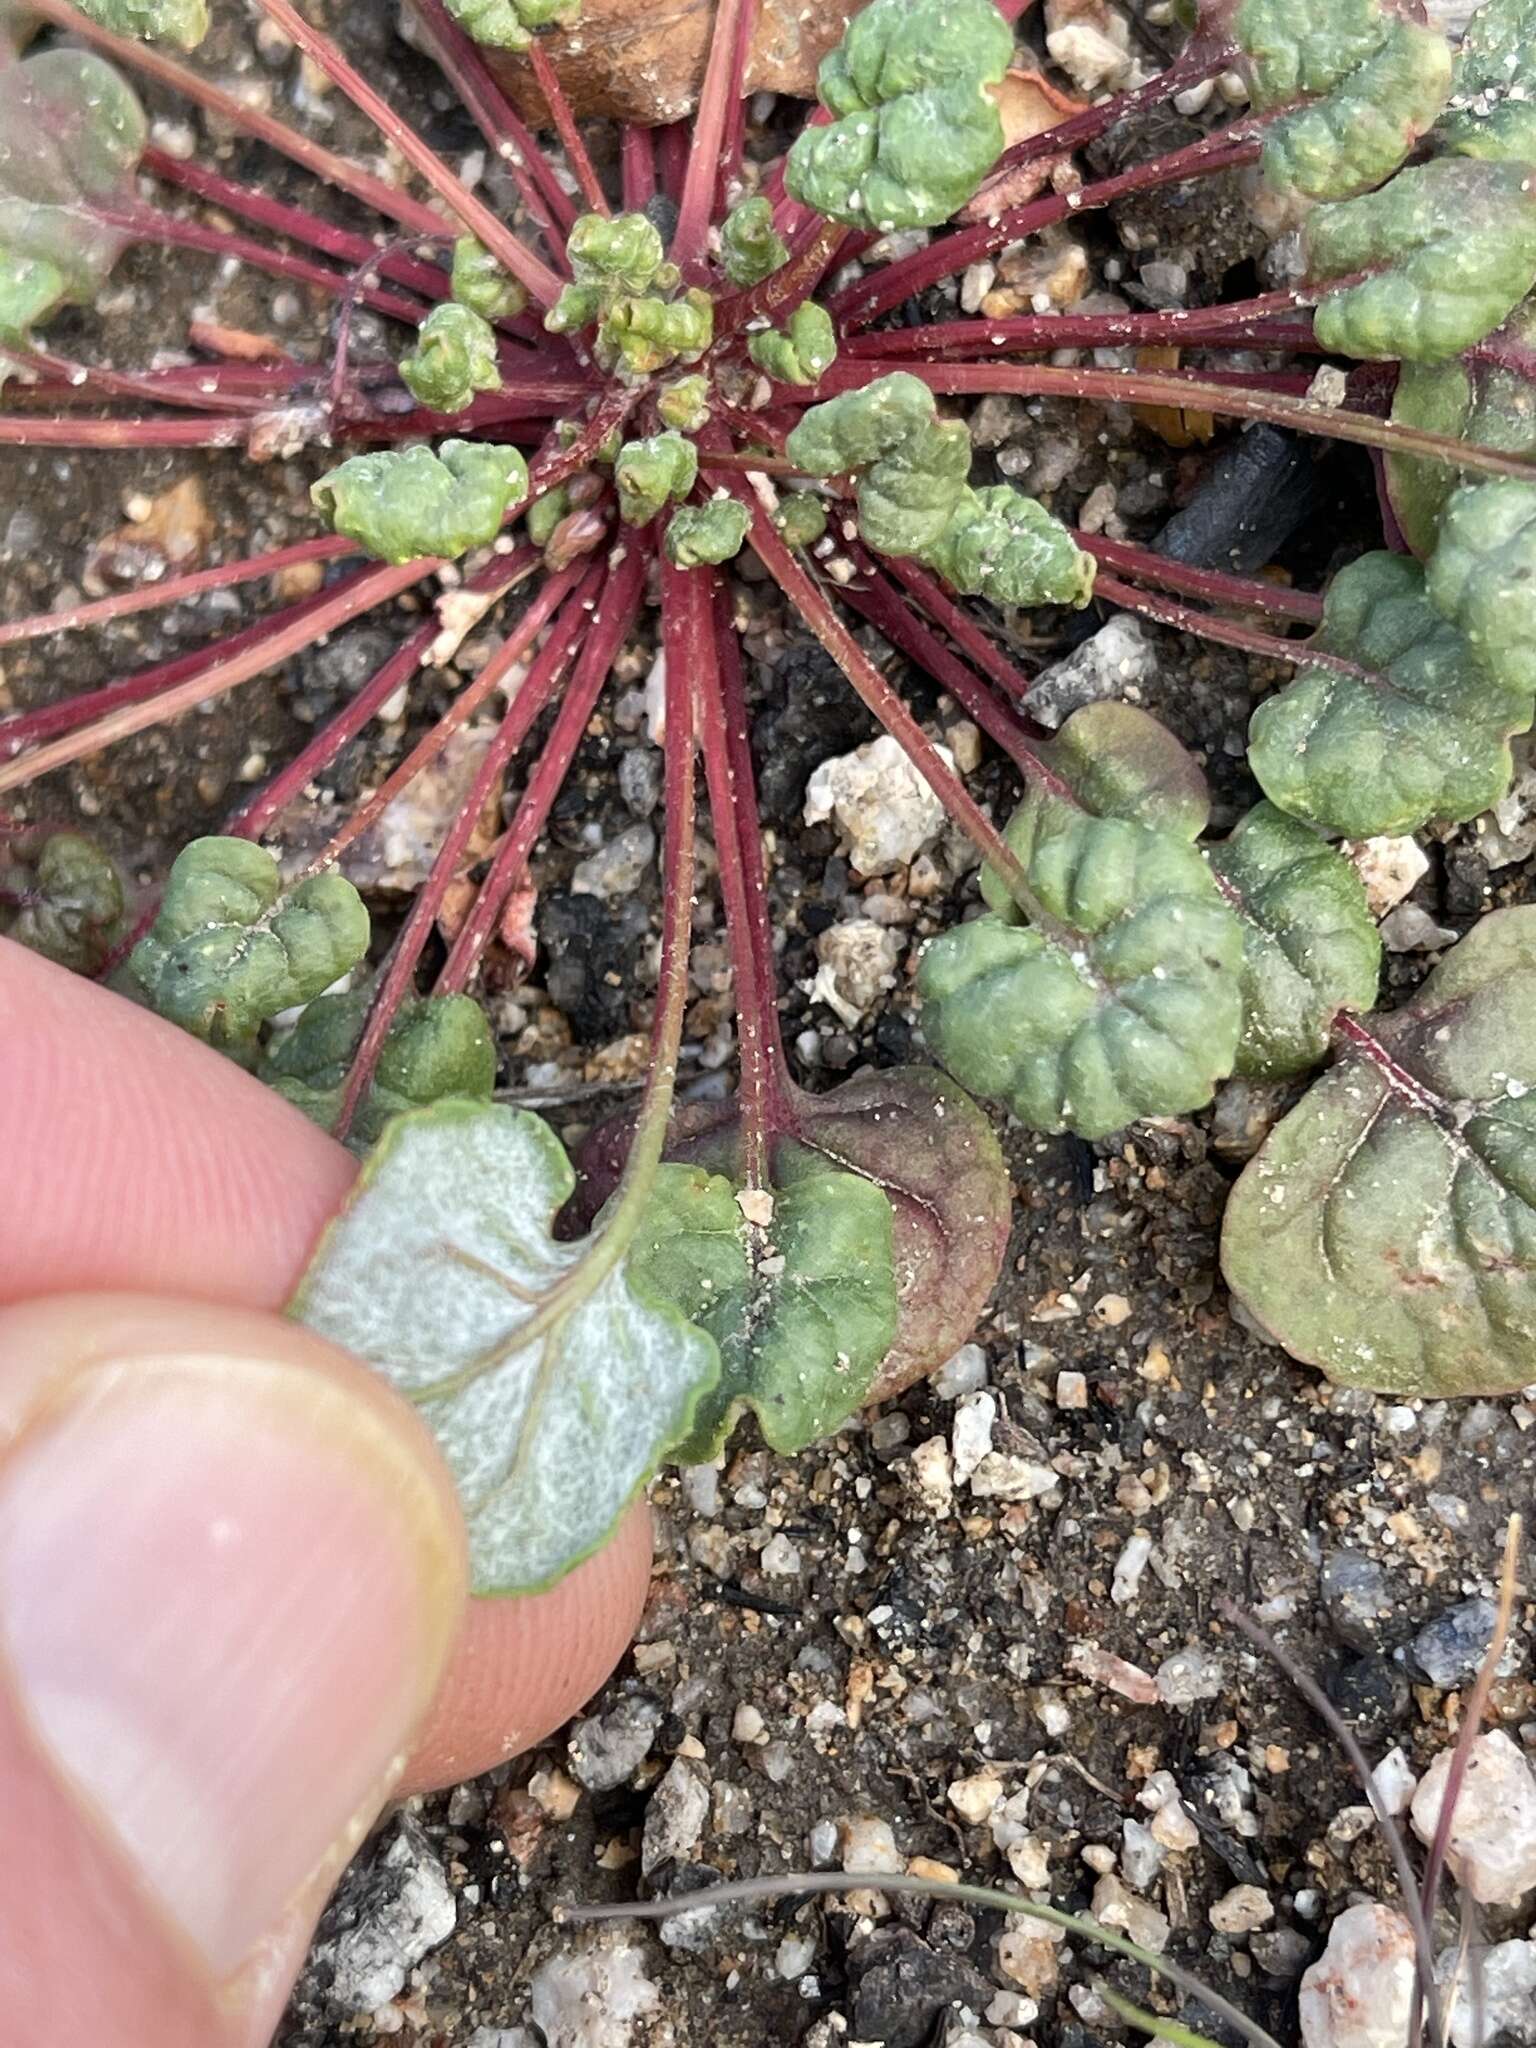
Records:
x=1122, y=997
x=441, y=1272
x=1386, y=1230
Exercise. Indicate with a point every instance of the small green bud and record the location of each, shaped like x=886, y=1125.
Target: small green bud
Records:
x=454, y=357
x=801, y=518
x=650, y=472
x=480, y=283
x=509, y=24
x=802, y=350
x=749, y=248
x=545, y=514
x=684, y=404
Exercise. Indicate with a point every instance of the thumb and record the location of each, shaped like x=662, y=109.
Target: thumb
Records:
x=231, y=1570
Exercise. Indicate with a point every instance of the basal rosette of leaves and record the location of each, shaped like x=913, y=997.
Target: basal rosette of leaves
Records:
x=682, y=377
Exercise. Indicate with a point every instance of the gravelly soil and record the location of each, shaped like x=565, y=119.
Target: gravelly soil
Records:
x=832, y=1640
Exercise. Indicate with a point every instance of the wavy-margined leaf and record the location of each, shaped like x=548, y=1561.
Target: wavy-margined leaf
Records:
x=509, y=24
x=1310, y=946
x=913, y=496
x=1482, y=576
x=454, y=358
x=182, y=22
x=62, y=896
x=802, y=350
x=917, y=1137
x=1493, y=95
x=229, y=949
x=1123, y=996
x=796, y=1284
x=684, y=403
x=1386, y=1229
x=71, y=135
x=1374, y=82
x=700, y=534
x=1421, y=732
x=406, y=505
x=1448, y=248
x=553, y=1400
x=480, y=283
x=916, y=128
x=1004, y=546
x=640, y=335
x=438, y=1047
x=1469, y=400
x=652, y=472
x=749, y=248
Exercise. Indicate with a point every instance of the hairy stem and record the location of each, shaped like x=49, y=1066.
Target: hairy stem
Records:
x=1225, y=632
x=214, y=679
x=399, y=974
x=614, y=620
x=548, y=81
x=1247, y=324
x=252, y=820
x=704, y=157
x=541, y=282
x=1214, y=585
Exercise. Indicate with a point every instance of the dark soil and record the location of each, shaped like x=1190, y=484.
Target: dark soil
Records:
x=823, y=1644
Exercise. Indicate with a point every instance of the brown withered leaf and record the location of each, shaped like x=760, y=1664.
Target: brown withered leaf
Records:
x=643, y=60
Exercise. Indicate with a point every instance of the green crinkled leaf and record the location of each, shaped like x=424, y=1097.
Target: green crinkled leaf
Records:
x=1493, y=96
x=1310, y=946
x=697, y=534
x=1375, y=83
x=1469, y=400
x=71, y=135
x=803, y=1308
x=1451, y=250
x=1423, y=734
x=858, y=427
x=229, y=949
x=480, y=283
x=1482, y=576
x=749, y=248
x=1386, y=1229
x=441, y=1258
x=182, y=22
x=509, y=24
x=653, y=472
x=454, y=358
x=62, y=896
x=917, y=130
x=438, y=1047
x=802, y=350
x=545, y=514
x=639, y=336
x=624, y=252
x=1123, y=998
x=1002, y=545
x=406, y=505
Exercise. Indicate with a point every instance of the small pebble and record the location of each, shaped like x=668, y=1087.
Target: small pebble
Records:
x=1492, y=1849
x=1242, y=1909
x=964, y=1373
x=1358, y=1993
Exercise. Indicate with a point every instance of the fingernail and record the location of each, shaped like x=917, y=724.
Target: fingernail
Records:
x=227, y=1590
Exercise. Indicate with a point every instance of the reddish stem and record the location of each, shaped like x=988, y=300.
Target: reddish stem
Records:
x=537, y=689
x=638, y=167
x=871, y=296
x=615, y=617
x=548, y=600
x=1225, y=632
x=148, y=225
x=733, y=145
x=1214, y=585
x=296, y=222
x=692, y=649
x=253, y=818
x=959, y=625
x=175, y=590
x=500, y=123
x=26, y=728
x=1249, y=323
x=811, y=255
x=330, y=169
x=1162, y=387
x=93, y=383
x=548, y=82
x=541, y=282
x=704, y=156
x=674, y=149
x=879, y=601
x=360, y=594
x=1191, y=66
x=877, y=693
